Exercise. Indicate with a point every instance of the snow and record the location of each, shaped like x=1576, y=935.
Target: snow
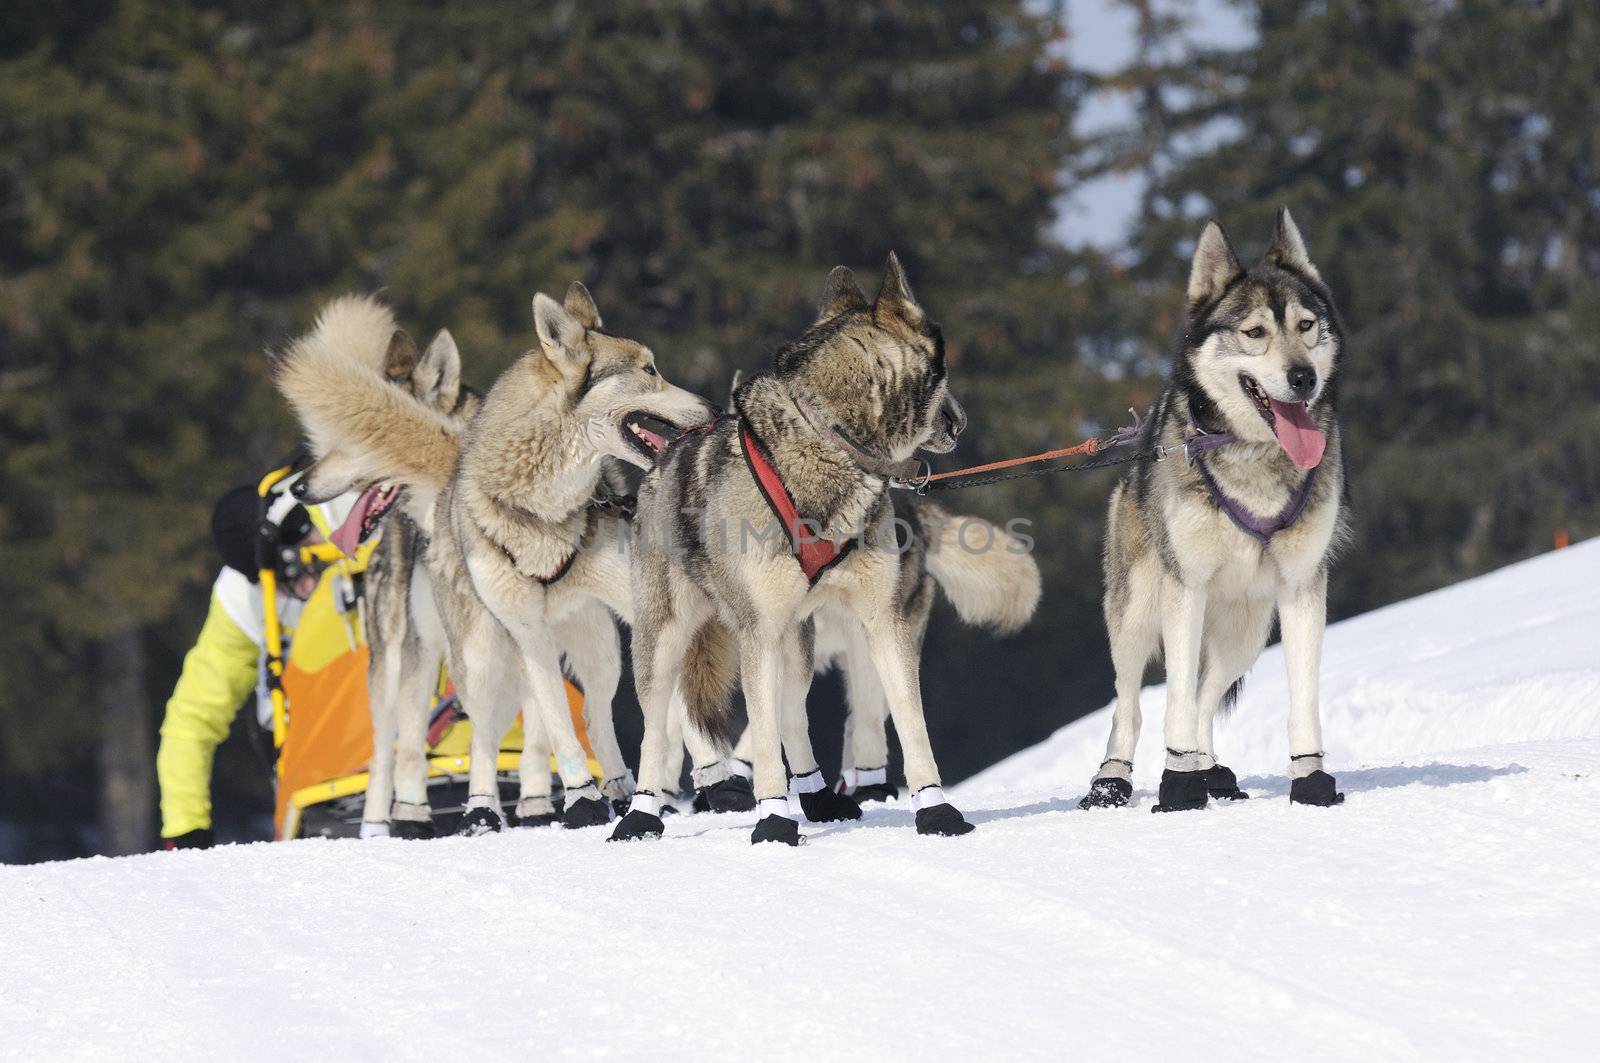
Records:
x=1450, y=909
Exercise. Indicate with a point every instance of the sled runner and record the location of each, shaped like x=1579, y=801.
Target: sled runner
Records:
x=316, y=682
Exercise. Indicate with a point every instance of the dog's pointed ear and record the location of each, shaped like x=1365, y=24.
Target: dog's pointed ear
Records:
x=840, y=294
x=560, y=335
x=580, y=304
x=738, y=378
x=894, y=297
x=437, y=380
x=1288, y=250
x=1215, y=266
x=401, y=357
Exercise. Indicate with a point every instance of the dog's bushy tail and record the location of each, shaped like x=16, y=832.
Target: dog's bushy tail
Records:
x=333, y=377
x=710, y=669
x=988, y=573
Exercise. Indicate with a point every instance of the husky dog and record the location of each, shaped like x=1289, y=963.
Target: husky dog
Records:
x=988, y=575
x=403, y=630
x=1201, y=550
x=405, y=638
x=814, y=442
x=519, y=576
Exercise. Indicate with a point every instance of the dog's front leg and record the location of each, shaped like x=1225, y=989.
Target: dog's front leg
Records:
x=866, y=736
x=593, y=651
x=1183, y=782
x=893, y=646
x=491, y=686
x=383, y=694
x=659, y=648
x=820, y=803
x=541, y=661
x=412, y=818
x=762, y=660
x=1302, y=616
x=535, y=806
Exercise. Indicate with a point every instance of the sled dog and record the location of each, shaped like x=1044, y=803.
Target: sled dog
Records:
x=520, y=579
x=990, y=577
x=813, y=443
x=404, y=636
x=1239, y=521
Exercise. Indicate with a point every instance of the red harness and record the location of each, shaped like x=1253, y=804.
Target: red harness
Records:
x=816, y=555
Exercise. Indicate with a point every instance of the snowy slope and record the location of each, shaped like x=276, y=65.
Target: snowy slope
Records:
x=1450, y=909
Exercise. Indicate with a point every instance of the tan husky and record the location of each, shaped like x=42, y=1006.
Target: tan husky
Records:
x=524, y=574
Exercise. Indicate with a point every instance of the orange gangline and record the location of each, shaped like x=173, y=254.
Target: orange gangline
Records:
x=1088, y=446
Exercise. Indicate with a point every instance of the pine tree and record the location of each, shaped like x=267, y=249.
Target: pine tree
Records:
x=185, y=183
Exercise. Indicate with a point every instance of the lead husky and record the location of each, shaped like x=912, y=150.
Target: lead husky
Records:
x=506, y=504
x=814, y=442
x=1201, y=550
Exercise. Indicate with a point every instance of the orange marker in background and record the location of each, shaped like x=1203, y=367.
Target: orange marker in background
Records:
x=1562, y=539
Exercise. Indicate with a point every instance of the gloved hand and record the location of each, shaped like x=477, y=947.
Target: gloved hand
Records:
x=195, y=839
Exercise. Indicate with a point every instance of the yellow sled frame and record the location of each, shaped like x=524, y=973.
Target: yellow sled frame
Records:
x=347, y=785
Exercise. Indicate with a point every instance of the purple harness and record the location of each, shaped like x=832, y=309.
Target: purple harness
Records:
x=1196, y=443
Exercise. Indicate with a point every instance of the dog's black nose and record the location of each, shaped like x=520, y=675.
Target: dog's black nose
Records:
x=298, y=488
x=1302, y=381
x=955, y=415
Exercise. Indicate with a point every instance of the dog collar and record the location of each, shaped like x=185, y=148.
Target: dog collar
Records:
x=1197, y=443
x=815, y=555
x=554, y=577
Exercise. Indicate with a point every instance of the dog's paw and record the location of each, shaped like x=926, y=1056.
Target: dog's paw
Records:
x=733, y=794
x=943, y=820
x=1318, y=788
x=776, y=829
x=586, y=812
x=1223, y=785
x=412, y=830
x=636, y=825
x=669, y=803
x=1181, y=791
x=476, y=821
x=826, y=806
x=875, y=791
x=1107, y=793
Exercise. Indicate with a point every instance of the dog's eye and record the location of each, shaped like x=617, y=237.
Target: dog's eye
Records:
x=1256, y=332
x=1305, y=326
x=650, y=369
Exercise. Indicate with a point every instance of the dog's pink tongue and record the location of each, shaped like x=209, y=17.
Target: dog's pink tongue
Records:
x=1302, y=440
x=347, y=536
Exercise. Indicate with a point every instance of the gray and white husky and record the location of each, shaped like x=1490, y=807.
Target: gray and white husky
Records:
x=1239, y=522
x=519, y=578
x=991, y=579
x=813, y=443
